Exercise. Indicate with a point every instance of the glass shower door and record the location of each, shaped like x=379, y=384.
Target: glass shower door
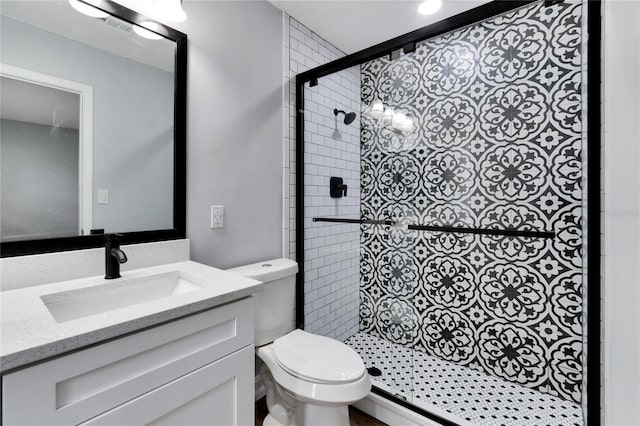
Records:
x=469, y=219
x=390, y=187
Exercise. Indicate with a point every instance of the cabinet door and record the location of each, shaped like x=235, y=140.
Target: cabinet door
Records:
x=218, y=394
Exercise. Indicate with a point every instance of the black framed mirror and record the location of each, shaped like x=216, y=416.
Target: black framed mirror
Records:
x=93, y=133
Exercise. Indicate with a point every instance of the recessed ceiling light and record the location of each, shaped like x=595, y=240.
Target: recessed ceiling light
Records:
x=146, y=33
x=429, y=7
x=87, y=9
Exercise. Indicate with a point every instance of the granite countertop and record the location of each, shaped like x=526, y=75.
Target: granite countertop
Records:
x=30, y=333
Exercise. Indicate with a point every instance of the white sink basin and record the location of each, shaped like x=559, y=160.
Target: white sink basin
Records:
x=120, y=293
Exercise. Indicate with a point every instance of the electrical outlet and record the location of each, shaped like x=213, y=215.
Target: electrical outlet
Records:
x=217, y=216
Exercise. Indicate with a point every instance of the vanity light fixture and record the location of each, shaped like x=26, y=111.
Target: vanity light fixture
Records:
x=146, y=30
x=87, y=9
x=402, y=127
x=168, y=10
x=429, y=7
x=385, y=116
x=377, y=110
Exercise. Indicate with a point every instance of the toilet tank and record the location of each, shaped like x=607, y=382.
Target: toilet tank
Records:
x=274, y=304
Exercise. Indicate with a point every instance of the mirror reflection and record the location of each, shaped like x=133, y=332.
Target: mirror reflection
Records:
x=86, y=123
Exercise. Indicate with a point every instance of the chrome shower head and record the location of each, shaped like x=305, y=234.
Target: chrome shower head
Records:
x=348, y=117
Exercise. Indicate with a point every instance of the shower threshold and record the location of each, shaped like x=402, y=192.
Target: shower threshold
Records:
x=459, y=394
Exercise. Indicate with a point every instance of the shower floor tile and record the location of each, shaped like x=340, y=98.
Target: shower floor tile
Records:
x=469, y=394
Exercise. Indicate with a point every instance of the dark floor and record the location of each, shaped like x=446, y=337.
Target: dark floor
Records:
x=356, y=417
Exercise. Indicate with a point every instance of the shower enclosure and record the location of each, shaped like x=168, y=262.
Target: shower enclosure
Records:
x=455, y=255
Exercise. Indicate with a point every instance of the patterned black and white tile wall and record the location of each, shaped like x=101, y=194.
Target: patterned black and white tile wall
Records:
x=498, y=107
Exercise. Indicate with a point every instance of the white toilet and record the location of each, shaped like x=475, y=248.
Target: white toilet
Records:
x=310, y=379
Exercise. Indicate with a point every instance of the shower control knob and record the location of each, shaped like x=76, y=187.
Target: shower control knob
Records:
x=337, y=188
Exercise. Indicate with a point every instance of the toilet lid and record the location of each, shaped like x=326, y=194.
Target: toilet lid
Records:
x=317, y=358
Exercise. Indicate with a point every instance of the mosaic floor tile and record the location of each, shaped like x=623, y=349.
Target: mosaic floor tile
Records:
x=462, y=391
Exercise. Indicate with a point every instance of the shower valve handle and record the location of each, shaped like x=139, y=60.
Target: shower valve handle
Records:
x=337, y=188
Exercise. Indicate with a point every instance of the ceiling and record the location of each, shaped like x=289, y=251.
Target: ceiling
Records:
x=34, y=103
x=350, y=25
x=353, y=25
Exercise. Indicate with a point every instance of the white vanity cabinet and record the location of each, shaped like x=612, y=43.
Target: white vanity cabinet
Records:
x=197, y=370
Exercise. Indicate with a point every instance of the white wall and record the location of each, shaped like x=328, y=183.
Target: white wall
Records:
x=621, y=288
x=234, y=130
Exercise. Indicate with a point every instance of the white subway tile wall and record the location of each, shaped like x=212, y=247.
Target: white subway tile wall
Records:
x=332, y=251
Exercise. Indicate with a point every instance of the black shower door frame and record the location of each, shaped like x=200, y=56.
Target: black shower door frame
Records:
x=407, y=43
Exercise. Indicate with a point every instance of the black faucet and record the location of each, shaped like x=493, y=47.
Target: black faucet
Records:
x=113, y=256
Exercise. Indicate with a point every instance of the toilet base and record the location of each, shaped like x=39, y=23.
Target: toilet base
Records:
x=318, y=415
x=287, y=410
x=270, y=421
x=314, y=415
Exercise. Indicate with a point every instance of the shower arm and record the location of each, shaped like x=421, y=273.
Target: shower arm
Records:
x=349, y=117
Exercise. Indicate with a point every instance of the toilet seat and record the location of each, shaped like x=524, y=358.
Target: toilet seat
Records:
x=317, y=359
x=327, y=394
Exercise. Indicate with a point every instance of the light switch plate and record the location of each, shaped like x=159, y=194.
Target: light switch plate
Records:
x=103, y=196
x=217, y=216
